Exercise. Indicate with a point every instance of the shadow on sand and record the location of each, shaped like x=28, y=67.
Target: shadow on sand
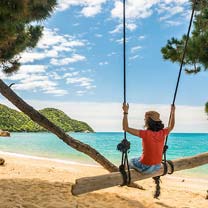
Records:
x=35, y=193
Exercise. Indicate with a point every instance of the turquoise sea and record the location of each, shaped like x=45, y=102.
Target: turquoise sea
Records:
x=49, y=146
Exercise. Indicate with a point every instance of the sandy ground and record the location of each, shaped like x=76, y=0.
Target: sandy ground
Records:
x=33, y=183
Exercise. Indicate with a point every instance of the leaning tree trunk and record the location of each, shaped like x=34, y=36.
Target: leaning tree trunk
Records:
x=44, y=122
x=88, y=184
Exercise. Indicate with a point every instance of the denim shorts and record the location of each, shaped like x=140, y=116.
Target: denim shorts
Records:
x=137, y=165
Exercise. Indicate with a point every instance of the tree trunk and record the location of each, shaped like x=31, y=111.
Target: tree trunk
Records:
x=88, y=184
x=44, y=122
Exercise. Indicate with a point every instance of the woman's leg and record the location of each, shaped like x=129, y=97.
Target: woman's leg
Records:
x=137, y=165
x=147, y=169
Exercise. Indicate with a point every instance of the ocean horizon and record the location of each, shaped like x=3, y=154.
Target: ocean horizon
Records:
x=44, y=145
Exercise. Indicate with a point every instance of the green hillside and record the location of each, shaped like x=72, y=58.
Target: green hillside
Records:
x=15, y=121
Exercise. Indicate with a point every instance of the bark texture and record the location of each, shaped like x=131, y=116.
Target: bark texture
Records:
x=88, y=184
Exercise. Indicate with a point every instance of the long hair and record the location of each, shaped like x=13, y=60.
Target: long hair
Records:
x=154, y=125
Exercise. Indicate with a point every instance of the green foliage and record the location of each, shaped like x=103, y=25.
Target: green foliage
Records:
x=17, y=33
x=62, y=120
x=14, y=121
x=196, y=58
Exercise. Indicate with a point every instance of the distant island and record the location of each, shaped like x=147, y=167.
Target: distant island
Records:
x=15, y=121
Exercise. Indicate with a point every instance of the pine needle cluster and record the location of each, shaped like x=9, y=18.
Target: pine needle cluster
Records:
x=19, y=29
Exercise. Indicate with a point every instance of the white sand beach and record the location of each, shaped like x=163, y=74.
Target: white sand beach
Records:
x=33, y=183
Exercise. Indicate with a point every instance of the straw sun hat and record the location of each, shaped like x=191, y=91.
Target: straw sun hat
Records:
x=155, y=116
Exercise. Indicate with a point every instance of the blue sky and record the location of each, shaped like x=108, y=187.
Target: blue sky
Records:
x=80, y=59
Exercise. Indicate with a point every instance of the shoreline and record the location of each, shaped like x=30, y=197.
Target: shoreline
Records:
x=19, y=155
x=42, y=183
x=189, y=173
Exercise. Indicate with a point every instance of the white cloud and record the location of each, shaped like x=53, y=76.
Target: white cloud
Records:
x=170, y=11
x=119, y=41
x=76, y=24
x=173, y=23
x=119, y=28
x=135, y=48
x=131, y=26
x=135, y=9
x=89, y=7
x=98, y=35
x=172, y=14
x=74, y=43
x=61, y=50
x=84, y=82
x=91, y=11
x=66, y=61
x=134, y=57
x=35, y=78
x=54, y=41
x=56, y=49
x=56, y=92
x=108, y=116
x=50, y=38
x=65, y=4
x=25, y=69
x=71, y=74
x=51, y=45
x=175, y=1
x=80, y=92
x=29, y=57
x=32, y=84
x=55, y=75
x=140, y=9
x=141, y=37
x=41, y=83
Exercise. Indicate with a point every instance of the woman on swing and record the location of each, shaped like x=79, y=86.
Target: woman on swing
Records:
x=153, y=139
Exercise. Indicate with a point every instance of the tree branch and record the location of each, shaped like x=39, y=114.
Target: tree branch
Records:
x=88, y=184
x=7, y=92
